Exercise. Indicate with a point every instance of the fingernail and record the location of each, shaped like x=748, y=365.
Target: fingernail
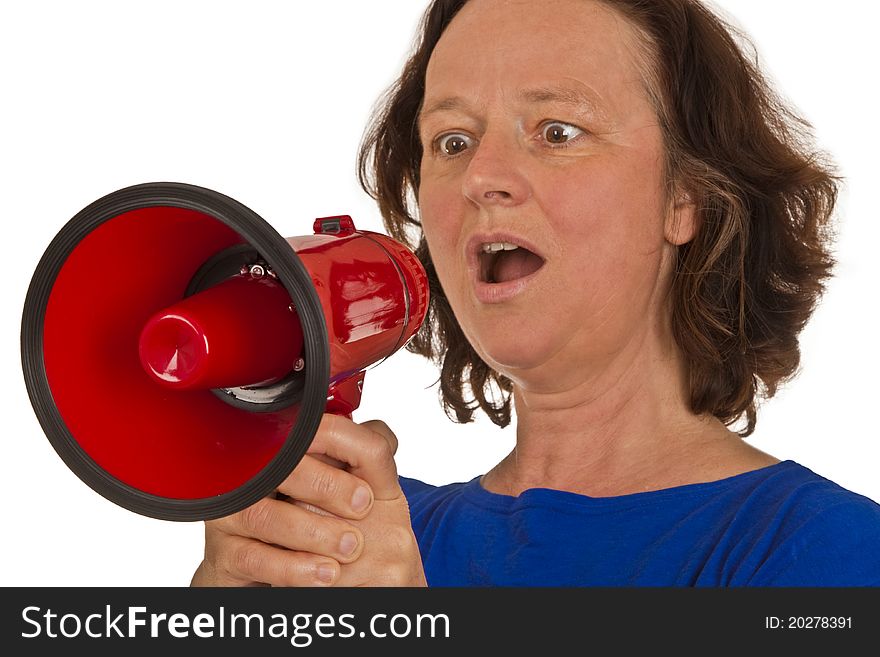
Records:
x=361, y=499
x=348, y=544
x=326, y=573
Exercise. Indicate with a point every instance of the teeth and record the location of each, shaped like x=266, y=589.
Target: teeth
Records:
x=494, y=247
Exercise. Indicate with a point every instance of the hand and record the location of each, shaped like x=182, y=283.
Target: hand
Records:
x=391, y=554
x=341, y=519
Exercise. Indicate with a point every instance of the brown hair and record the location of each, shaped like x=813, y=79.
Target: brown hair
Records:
x=743, y=288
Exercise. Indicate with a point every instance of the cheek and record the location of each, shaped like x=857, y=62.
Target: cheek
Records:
x=609, y=220
x=442, y=227
x=612, y=210
x=431, y=210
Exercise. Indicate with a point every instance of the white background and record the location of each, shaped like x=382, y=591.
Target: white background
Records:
x=266, y=102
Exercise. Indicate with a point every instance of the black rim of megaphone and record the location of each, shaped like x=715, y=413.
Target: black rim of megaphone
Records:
x=278, y=254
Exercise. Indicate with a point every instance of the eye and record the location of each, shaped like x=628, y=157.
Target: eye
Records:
x=452, y=144
x=557, y=133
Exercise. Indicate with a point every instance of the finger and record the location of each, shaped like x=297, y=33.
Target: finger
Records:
x=378, y=426
x=368, y=452
x=311, y=508
x=252, y=560
x=340, y=492
x=292, y=527
x=330, y=461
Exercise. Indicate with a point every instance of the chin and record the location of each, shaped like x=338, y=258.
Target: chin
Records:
x=511, y=352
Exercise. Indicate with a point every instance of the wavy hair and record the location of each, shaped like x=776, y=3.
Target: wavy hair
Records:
x=742, y=289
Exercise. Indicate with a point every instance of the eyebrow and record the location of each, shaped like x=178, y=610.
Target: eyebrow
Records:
x=562, y=95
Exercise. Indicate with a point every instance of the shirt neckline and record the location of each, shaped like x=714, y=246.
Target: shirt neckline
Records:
x=541, y=496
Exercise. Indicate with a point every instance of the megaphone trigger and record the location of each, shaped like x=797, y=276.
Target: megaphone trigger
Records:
x=345, y=396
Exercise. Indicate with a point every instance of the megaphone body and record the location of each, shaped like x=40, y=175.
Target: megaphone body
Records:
x=179, y=353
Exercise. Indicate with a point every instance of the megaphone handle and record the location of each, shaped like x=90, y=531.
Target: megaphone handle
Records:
x=345, y=395
x=342, y=398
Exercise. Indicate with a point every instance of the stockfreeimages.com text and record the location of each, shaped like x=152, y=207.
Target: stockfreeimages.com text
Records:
x=299, y=629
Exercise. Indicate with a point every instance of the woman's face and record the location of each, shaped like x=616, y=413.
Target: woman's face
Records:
x=537, y=132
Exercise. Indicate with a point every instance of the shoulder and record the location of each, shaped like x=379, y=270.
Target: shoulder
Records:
x=813, y=532
x=411, y=486
x=800, y=494
x=427, y=501
x=419, y=493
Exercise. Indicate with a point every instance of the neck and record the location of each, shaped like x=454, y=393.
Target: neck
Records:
x=625, y=428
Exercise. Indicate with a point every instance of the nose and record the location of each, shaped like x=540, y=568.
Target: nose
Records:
x=494, y=175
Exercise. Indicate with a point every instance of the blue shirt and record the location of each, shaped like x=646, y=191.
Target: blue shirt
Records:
x=781, y=525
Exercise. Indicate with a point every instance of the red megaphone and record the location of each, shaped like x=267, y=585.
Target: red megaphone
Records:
x=179, y=353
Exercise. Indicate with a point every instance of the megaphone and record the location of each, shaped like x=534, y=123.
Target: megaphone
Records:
x=179, y=353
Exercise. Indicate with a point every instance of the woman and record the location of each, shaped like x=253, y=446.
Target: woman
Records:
x=625, y=233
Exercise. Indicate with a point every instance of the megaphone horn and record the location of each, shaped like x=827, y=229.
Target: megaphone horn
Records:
x=179, y=353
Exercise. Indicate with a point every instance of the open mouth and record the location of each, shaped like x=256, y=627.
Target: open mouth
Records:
x=502, y=262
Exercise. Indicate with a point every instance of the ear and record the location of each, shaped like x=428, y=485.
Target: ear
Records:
x=682, y=222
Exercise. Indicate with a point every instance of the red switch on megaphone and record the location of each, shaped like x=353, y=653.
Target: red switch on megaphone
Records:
x=179, y=353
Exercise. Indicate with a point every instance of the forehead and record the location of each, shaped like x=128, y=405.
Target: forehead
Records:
x=506, y=45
